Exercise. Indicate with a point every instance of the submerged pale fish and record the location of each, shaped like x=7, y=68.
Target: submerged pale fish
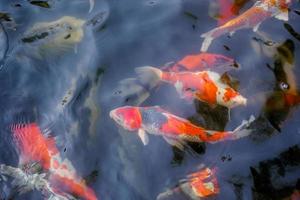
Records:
x=59, y=36
x=56, y=36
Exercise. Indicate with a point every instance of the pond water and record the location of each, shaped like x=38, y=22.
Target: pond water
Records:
x=68, y=89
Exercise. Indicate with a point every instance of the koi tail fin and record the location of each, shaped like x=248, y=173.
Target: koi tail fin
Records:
x=208, y=38
x=131, y=92
x=135, y=91
x=242, y=131
x=149, y=76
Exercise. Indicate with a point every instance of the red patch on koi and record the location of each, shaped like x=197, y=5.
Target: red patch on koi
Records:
x=200, y=61
x=225, y=11
x=209, y=93
x=55, y=164
x=69, y=185
x=177, y=127
x=229, y=9
x=229, y=94
x=291, y=100
x=33, y=145
x=204, y=183
x=217, y=136
x=132, y=117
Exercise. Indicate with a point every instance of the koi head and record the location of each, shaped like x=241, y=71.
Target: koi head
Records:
x=128, y=117
x=231, y=98
x=220, y=60
x=238, y=100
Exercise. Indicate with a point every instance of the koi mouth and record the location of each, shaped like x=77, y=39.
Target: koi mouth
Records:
x=240, y=101
x=115, y=117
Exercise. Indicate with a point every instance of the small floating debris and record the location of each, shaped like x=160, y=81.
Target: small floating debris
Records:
x=5, y=17
x=43, y=4
x=226, y=47
x=190, y=15
x=292, y=31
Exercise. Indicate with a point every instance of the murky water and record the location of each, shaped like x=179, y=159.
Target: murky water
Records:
x=69, y=90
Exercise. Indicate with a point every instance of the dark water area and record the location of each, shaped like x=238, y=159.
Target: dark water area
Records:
x=68, y=89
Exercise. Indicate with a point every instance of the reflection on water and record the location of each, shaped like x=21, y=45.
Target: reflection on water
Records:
x=62, y=64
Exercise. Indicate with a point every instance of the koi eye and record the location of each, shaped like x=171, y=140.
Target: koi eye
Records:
x=284, y=86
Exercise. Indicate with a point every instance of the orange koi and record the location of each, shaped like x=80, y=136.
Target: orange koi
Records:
x=251, y=18
x=175, y=130
x=198, y=185
x=205, y=86
x=35, y=147
x=203, y=61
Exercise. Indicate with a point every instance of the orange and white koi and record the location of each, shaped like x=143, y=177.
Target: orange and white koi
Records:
x=33, y=146
x=205, y=86
x=198, y=185
x=203, y=61
x=175, y=130
x=251, y=18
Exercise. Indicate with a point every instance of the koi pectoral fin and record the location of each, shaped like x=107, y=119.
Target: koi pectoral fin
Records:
x=144, y=137
x=255, y=28
x=245, y=123
x=242, y=131
x=174, y=142
x=284, y=16
x=208, y=38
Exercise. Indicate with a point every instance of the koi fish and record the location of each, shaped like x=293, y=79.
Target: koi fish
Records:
x=286, y=93
x=35, y=147
x=201, y=184
x=59, y=36
x=62, y=34
x=205, y=86
x=203, y=61
x=175, y=130
x=251, y=18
